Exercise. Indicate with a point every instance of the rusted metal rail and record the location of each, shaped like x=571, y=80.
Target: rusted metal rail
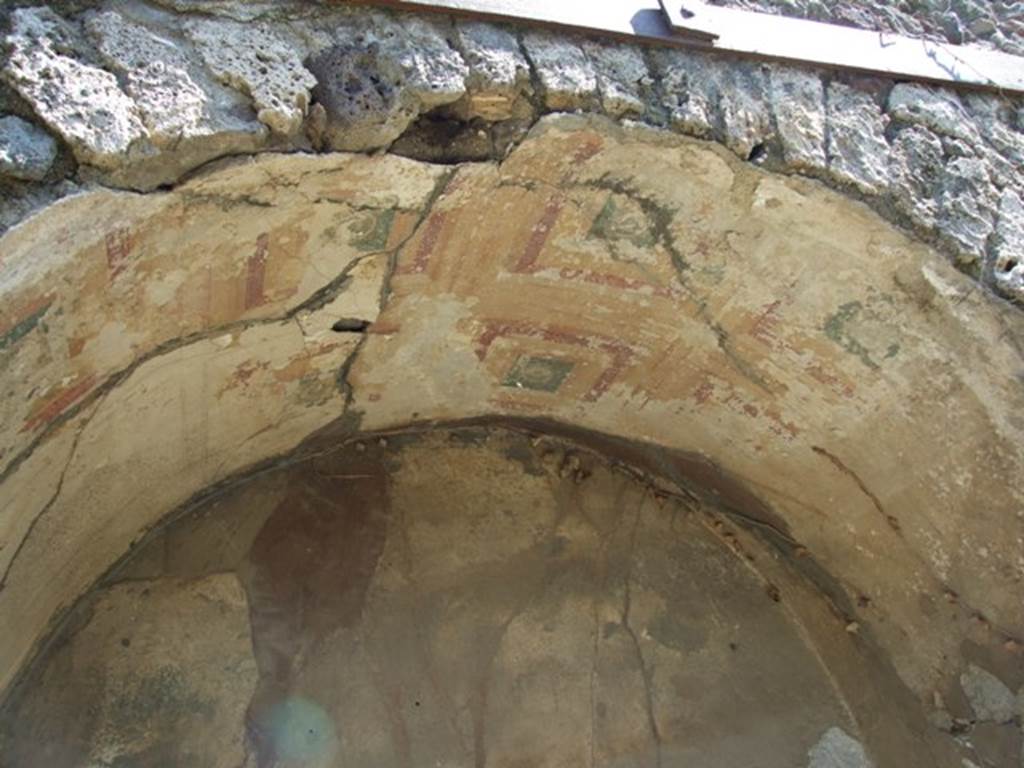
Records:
x=760, y=36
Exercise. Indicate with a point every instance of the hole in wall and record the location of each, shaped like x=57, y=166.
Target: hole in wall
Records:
x=350, y=325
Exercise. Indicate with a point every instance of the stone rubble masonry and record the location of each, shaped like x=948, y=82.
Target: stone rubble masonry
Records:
x=140, y=94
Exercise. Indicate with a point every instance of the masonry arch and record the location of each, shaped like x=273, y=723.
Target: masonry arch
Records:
x=834, y=390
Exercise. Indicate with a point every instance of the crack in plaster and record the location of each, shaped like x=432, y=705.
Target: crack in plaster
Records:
x=646, y=672
x=344, y=385
x=53, y=499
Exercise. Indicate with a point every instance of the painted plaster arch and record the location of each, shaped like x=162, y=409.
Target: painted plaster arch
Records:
x=772, y=346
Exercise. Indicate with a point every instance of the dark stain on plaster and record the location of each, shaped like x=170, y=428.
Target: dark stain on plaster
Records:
x=309, y=569
x=164, y=694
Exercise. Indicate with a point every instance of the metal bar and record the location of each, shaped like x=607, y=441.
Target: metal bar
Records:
x=752, y=35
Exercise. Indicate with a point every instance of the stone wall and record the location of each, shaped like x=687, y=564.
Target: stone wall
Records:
x=136, y=96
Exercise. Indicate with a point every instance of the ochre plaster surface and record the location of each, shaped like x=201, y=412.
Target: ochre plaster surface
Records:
x=776, y=350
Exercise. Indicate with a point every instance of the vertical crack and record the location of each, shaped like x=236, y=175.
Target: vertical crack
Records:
x=344, y=385
x=53, y=499
x=646, y=672
x=605, y=542
x=593, y=682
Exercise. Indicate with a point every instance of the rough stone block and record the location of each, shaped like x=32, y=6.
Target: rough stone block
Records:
x=936, y=108
x=857, y=151
x=434, y=72
x=261, y=61
x=916, y=168
x=27, y=152
x=80, y=102
x=622, y=77
x=498, y=78
x=189, y=118
x=1008, y=265
x=360, y=90
x=989, y=697
x=837, y=749
x=967, y=205
x=726, y=100
x=798, y=100
x=567, y=77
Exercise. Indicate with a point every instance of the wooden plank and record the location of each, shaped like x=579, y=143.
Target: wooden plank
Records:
x=630, y=19
x=780, y=38
x=752, y=35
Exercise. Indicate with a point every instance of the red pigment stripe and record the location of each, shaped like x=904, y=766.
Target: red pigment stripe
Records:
x=539, y=236
x=58, y=404
x=256, y=270
x=119, y=247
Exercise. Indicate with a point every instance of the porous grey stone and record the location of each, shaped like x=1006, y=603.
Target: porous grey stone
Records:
x=81, y=103
x=567, y=77
x=1003, y=148
x=240, y=10
x=260, y=61
x=857, y=150
x=498, y=79
x=798, y=100
x=743, y=114
x=622, y=77
x=717, y=98
x=917, y=167
x=434, y=72
x=189, y=118
x=837, y=749
x=359, y=89
x=379, y=76
x=936, y=108
x=688, y=110
x=1008, y=272
x=27, y=152
x=989, y=697
x=18, y=205
x=155, y=71
x=967, y=206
